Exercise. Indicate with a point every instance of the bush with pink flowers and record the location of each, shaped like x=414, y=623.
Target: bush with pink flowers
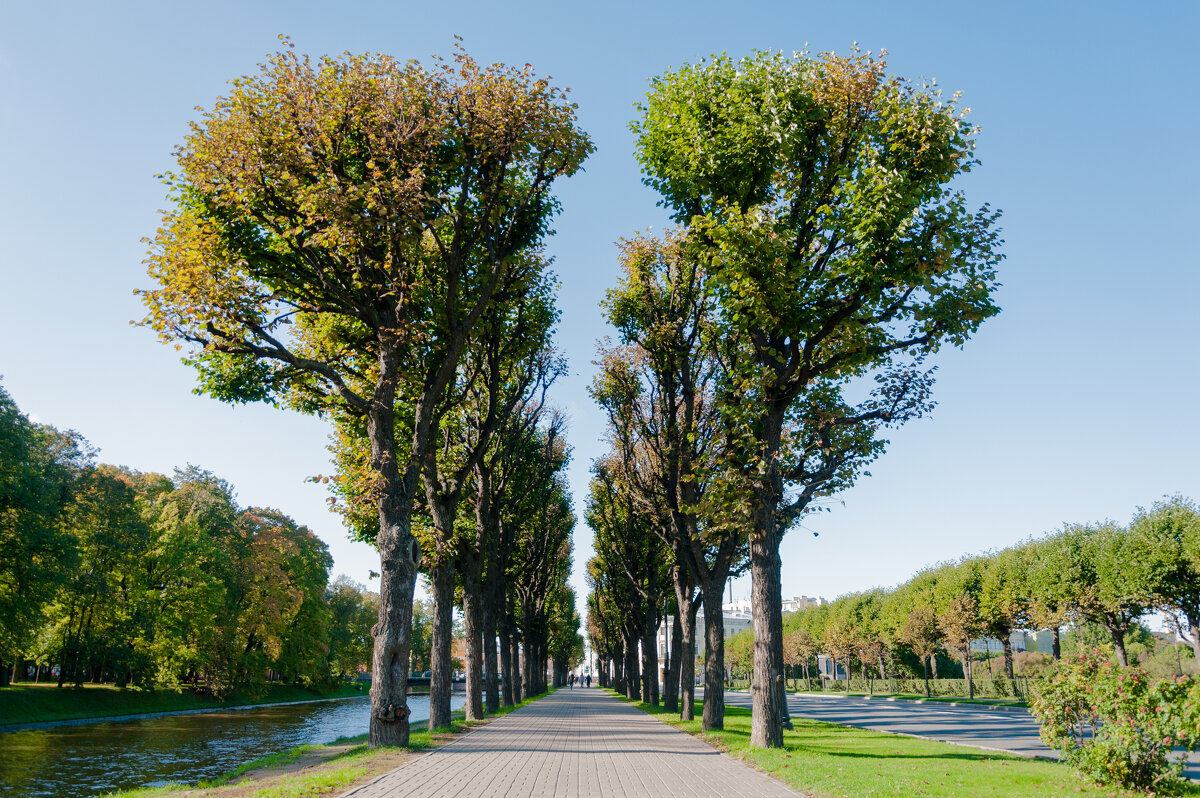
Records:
x=1116, y=725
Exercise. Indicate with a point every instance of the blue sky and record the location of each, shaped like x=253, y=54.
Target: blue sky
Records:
x=1077, y=403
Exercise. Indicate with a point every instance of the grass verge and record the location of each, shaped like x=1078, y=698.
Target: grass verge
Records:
x=38, y=703
x=946, y=699
x=825, y=759
x=312, y=770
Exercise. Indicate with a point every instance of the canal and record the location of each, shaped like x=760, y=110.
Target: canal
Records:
x=80, y=761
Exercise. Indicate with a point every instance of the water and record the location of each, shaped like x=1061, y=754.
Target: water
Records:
x=79, y=761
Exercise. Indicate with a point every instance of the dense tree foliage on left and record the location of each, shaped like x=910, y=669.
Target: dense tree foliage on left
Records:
x=154, y=581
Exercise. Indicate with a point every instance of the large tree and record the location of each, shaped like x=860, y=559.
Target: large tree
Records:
x=338, y=229
x=837, y=253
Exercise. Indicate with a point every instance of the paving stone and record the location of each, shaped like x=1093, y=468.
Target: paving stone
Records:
x=571, y=744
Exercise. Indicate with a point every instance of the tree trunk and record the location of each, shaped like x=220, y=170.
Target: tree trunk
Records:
x=529, y=680
x=650, y=659
x=399, y=555
x=766, y=686
x=674, y=662
x=714, y=658
x=519, y=689
x=472, y=579
x=506, y=665
x=687, y=661
x=633, y=682
x=1056, y=645
x=442, y=633
x=618, y=670
x=925, y=662
x=933, y=665
x=491, y=664
x=1008, y=656
x=1117, y=630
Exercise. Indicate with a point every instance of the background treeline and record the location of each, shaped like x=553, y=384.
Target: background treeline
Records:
x=142, y=579
x=1092, y=583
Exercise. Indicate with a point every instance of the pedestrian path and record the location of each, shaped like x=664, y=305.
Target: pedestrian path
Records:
x=580, y=742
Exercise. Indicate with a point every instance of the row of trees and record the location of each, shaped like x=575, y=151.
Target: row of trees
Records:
x=1104, y=576
x=764, y=345
x=360, y=238
x=135, y=578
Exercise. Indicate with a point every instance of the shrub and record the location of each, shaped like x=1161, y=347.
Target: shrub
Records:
x=1116, y=725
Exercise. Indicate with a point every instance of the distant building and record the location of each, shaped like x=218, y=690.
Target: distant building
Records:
x=797, y=603
x=1020, y=641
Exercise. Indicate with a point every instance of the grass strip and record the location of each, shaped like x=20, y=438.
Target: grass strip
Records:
x=39, y=703
x=946, y=699
x=826, y=759
x=335, y=770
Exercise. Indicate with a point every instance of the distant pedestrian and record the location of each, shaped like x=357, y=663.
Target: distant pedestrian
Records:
x=589, y=680
x=571, y=680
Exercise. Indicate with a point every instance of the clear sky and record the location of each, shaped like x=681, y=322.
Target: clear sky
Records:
x=1077, y=403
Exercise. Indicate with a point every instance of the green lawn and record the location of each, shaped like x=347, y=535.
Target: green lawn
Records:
x=949, y=699
x=35, y=703
x=830, y=760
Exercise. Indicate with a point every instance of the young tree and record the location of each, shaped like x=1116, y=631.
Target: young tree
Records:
x=836, y=252
x=1167, y=537
x=338, y=229
x=352, y=612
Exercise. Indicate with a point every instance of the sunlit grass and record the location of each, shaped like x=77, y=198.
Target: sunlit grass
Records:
x=830, y=760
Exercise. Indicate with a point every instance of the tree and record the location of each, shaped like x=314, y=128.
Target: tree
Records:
x=352, y=612
x=1117, y=581
x=836, y=253
x=1004, y=599
x=39, y=468
x=338, y=229
x=799, y=648
x=1167, y=538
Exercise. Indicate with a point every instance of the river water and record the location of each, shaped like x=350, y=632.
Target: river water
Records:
x=79, y=761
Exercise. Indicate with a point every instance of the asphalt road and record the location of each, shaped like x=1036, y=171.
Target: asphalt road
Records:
x=974, y=725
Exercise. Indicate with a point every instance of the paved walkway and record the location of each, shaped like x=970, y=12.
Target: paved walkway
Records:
x=579, y=742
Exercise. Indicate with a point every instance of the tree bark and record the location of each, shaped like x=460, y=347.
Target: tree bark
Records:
x=441, y=680
x=1006, y=642
x=633, y=682
x=399, y=555
x=674, y=661
x=491, y=664
x=1117, y=631
x=618, y=670
x=713, y=716
x=506, y=665
x=1056, y=645
x=472, y=579
x=650, y=659
x=519, y=689
x=766, y=685
x=687, y=660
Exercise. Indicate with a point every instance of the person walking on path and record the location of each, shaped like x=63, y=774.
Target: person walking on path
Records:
x=571, y=680
x=589, y=680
